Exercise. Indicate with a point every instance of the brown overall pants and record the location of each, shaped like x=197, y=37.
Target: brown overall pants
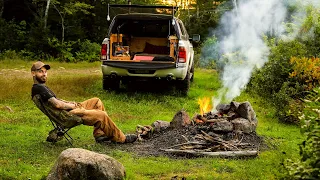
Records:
x=92, y=112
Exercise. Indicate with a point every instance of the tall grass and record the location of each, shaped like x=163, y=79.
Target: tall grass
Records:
x=24, y=153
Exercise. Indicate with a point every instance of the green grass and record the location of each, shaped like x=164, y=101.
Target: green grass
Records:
x=24, y=153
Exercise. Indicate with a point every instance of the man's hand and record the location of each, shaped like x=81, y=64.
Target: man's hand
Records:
x=62, y=104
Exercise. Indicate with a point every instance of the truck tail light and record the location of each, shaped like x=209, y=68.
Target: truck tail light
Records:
x=104, y=51
x=182, y=58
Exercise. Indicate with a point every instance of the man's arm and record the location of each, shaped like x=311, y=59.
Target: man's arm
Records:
x=61, y=104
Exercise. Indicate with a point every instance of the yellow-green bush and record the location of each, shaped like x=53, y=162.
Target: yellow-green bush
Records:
x=306, y=71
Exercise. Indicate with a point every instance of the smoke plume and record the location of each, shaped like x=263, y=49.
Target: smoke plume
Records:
x=241, y=48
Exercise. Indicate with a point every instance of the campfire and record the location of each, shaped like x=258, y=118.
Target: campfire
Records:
x=229, y=131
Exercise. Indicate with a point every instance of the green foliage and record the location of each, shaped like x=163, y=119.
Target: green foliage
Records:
x=310, y=31
x=308, y=167
x=210, y=53
x=88, y=51
x=74, y=51
x=37, y=46
x=74, y=7
x=12, y=35
x=9, y=54
x=63, y=50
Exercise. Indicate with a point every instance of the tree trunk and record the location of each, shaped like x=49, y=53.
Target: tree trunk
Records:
x=62, y=23
x=46, y=14
x=188, y=13
x=62, y=26
x=1, y=7
x=197, y=11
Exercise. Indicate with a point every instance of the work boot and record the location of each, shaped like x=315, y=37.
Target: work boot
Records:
x=130, y=138
x=102, y=139
x=55, y=135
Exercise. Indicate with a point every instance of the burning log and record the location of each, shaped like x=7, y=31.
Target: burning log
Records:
x=238, y=117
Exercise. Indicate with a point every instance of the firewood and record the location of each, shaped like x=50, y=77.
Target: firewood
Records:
x=192, y=147
x=213, y=154
x=218, y=140
x=188, y=143
x=213, y=139
x=207, y=138
x=185, y=138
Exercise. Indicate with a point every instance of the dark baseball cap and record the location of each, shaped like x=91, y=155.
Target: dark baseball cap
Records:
x=38, y=65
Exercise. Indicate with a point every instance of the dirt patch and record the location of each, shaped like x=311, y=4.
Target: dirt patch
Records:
x=171, y=137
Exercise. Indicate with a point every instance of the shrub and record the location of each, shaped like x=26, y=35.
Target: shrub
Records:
x=308, y=166
x=210, y=54
x=273, y=81
x=38, y=46
x=87, y=51
x=74, y=51
x=9, y=54
x=306, y=71
x=12, y=35
x=63, y=51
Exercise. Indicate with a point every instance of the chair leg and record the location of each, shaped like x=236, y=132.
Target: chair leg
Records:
x=68, y=139
x=57, y=133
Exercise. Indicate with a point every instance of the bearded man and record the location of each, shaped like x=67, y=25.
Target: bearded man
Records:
x=91, y=111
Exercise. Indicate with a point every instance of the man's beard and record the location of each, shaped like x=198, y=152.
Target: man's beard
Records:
x=40, y=80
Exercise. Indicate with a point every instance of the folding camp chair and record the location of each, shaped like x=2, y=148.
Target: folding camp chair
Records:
x=61, y=120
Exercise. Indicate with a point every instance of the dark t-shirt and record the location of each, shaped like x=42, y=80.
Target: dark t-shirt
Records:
x=43, y=90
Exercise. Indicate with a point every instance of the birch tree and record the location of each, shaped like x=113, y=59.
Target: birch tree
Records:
x=46, y=14
x=69, y=9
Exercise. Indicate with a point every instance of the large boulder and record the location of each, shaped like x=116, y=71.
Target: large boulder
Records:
x=243, y=125
x=180, y=120
x=80, y=164
x=246, y=111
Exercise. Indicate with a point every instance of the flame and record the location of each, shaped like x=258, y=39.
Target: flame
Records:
x=205, y=105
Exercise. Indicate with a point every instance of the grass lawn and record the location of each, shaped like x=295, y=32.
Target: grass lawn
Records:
x=24, y=153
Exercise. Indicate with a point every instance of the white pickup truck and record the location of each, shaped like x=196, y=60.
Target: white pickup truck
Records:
x=145, y=46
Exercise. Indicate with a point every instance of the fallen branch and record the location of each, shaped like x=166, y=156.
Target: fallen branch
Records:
x=213, y=154
x=188, y=143
x=226, y=144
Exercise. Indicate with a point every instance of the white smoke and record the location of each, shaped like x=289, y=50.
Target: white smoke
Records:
x=241, y=45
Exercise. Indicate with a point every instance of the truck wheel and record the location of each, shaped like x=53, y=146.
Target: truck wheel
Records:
x=110, y=83
x=184, y=85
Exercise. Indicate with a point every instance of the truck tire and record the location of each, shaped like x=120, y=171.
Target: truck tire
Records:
x=184, y=85
x=110, y=83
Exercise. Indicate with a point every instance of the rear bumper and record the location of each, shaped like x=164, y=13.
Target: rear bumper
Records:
x=143, y=70
x=139, y=65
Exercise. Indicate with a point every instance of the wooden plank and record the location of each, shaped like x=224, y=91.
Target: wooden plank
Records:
x=214, y=154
